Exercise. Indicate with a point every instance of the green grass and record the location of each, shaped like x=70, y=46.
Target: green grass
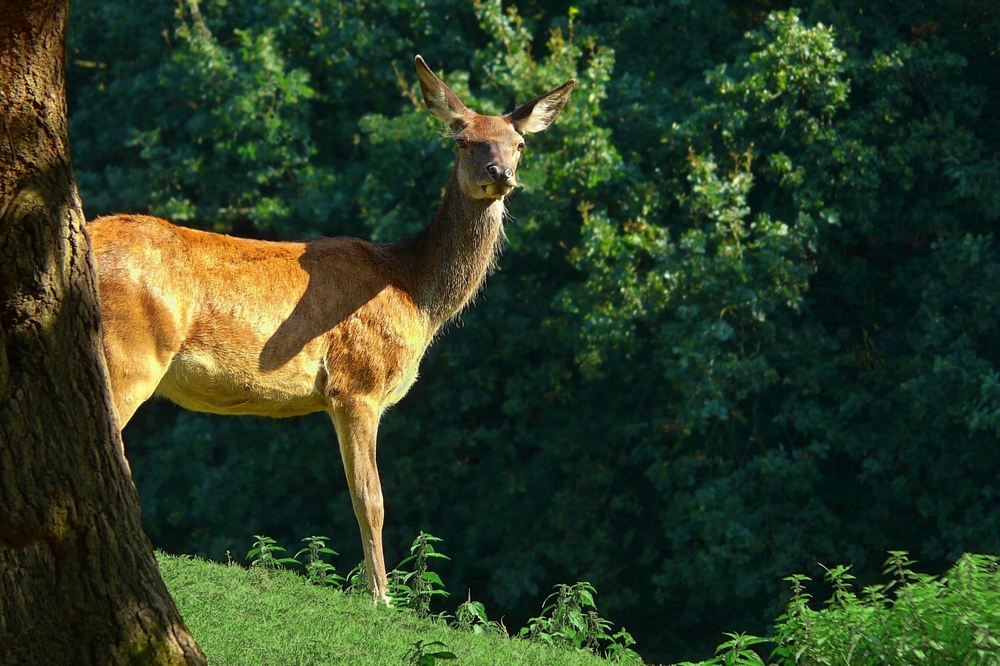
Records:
x=253, y=616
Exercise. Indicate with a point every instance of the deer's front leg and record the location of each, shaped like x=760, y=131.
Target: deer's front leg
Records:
x=357, y=426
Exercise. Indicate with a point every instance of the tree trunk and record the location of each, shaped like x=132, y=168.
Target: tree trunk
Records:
x=78, y=580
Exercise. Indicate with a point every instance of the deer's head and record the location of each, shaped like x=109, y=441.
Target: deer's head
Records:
x=489, y=147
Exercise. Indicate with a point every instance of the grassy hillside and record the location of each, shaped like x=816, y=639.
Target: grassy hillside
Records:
x=253, y=616
x=268, y=616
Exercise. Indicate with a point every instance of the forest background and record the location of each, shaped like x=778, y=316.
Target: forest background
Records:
x=746, y=322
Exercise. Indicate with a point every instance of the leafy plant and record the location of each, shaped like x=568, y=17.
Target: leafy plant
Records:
x=318, y=570
x=734, y=652
x=415, y=589
x=471, y=615
x=565, y=620
x=356, y=582
x=419, y=655
x=913, y=618
x=619, y=648
x=569, y=618
x=263, y=554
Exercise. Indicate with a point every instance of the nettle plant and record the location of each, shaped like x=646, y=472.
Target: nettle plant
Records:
x=415, y=589
x=569, y=618
x=264, y=554
x=471, y=615
x=318, y=570
x=913, y=618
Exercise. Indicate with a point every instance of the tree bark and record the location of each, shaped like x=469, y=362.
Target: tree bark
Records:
x=78, y=580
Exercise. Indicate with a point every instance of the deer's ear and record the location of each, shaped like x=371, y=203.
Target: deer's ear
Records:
x=441, y=101
x=538, y=114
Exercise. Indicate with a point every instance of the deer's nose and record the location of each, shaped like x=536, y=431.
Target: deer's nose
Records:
x=497, y=172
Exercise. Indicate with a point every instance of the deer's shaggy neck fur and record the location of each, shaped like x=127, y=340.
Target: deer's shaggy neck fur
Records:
x=448, y=261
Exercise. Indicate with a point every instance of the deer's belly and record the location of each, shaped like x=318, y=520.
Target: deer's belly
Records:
x=205, y=383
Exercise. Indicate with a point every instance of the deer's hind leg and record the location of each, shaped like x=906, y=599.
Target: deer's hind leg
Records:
x=357, y=427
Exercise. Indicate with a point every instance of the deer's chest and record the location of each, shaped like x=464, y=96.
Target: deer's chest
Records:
x=376, y=358
x=402, y=381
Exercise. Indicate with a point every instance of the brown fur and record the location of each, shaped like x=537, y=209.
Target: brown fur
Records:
x=236, y=326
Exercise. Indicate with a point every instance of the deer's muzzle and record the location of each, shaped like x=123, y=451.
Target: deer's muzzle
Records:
x=499, y=181
x=496, y=172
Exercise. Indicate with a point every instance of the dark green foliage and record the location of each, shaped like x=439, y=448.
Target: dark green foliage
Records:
x=747, y=319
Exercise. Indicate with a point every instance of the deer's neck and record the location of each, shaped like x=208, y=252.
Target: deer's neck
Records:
x=449, y=260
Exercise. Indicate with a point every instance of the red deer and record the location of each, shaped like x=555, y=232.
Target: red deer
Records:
x=237, y=326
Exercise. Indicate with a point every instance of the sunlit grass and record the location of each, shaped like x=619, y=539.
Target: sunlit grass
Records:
x=245, y=617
